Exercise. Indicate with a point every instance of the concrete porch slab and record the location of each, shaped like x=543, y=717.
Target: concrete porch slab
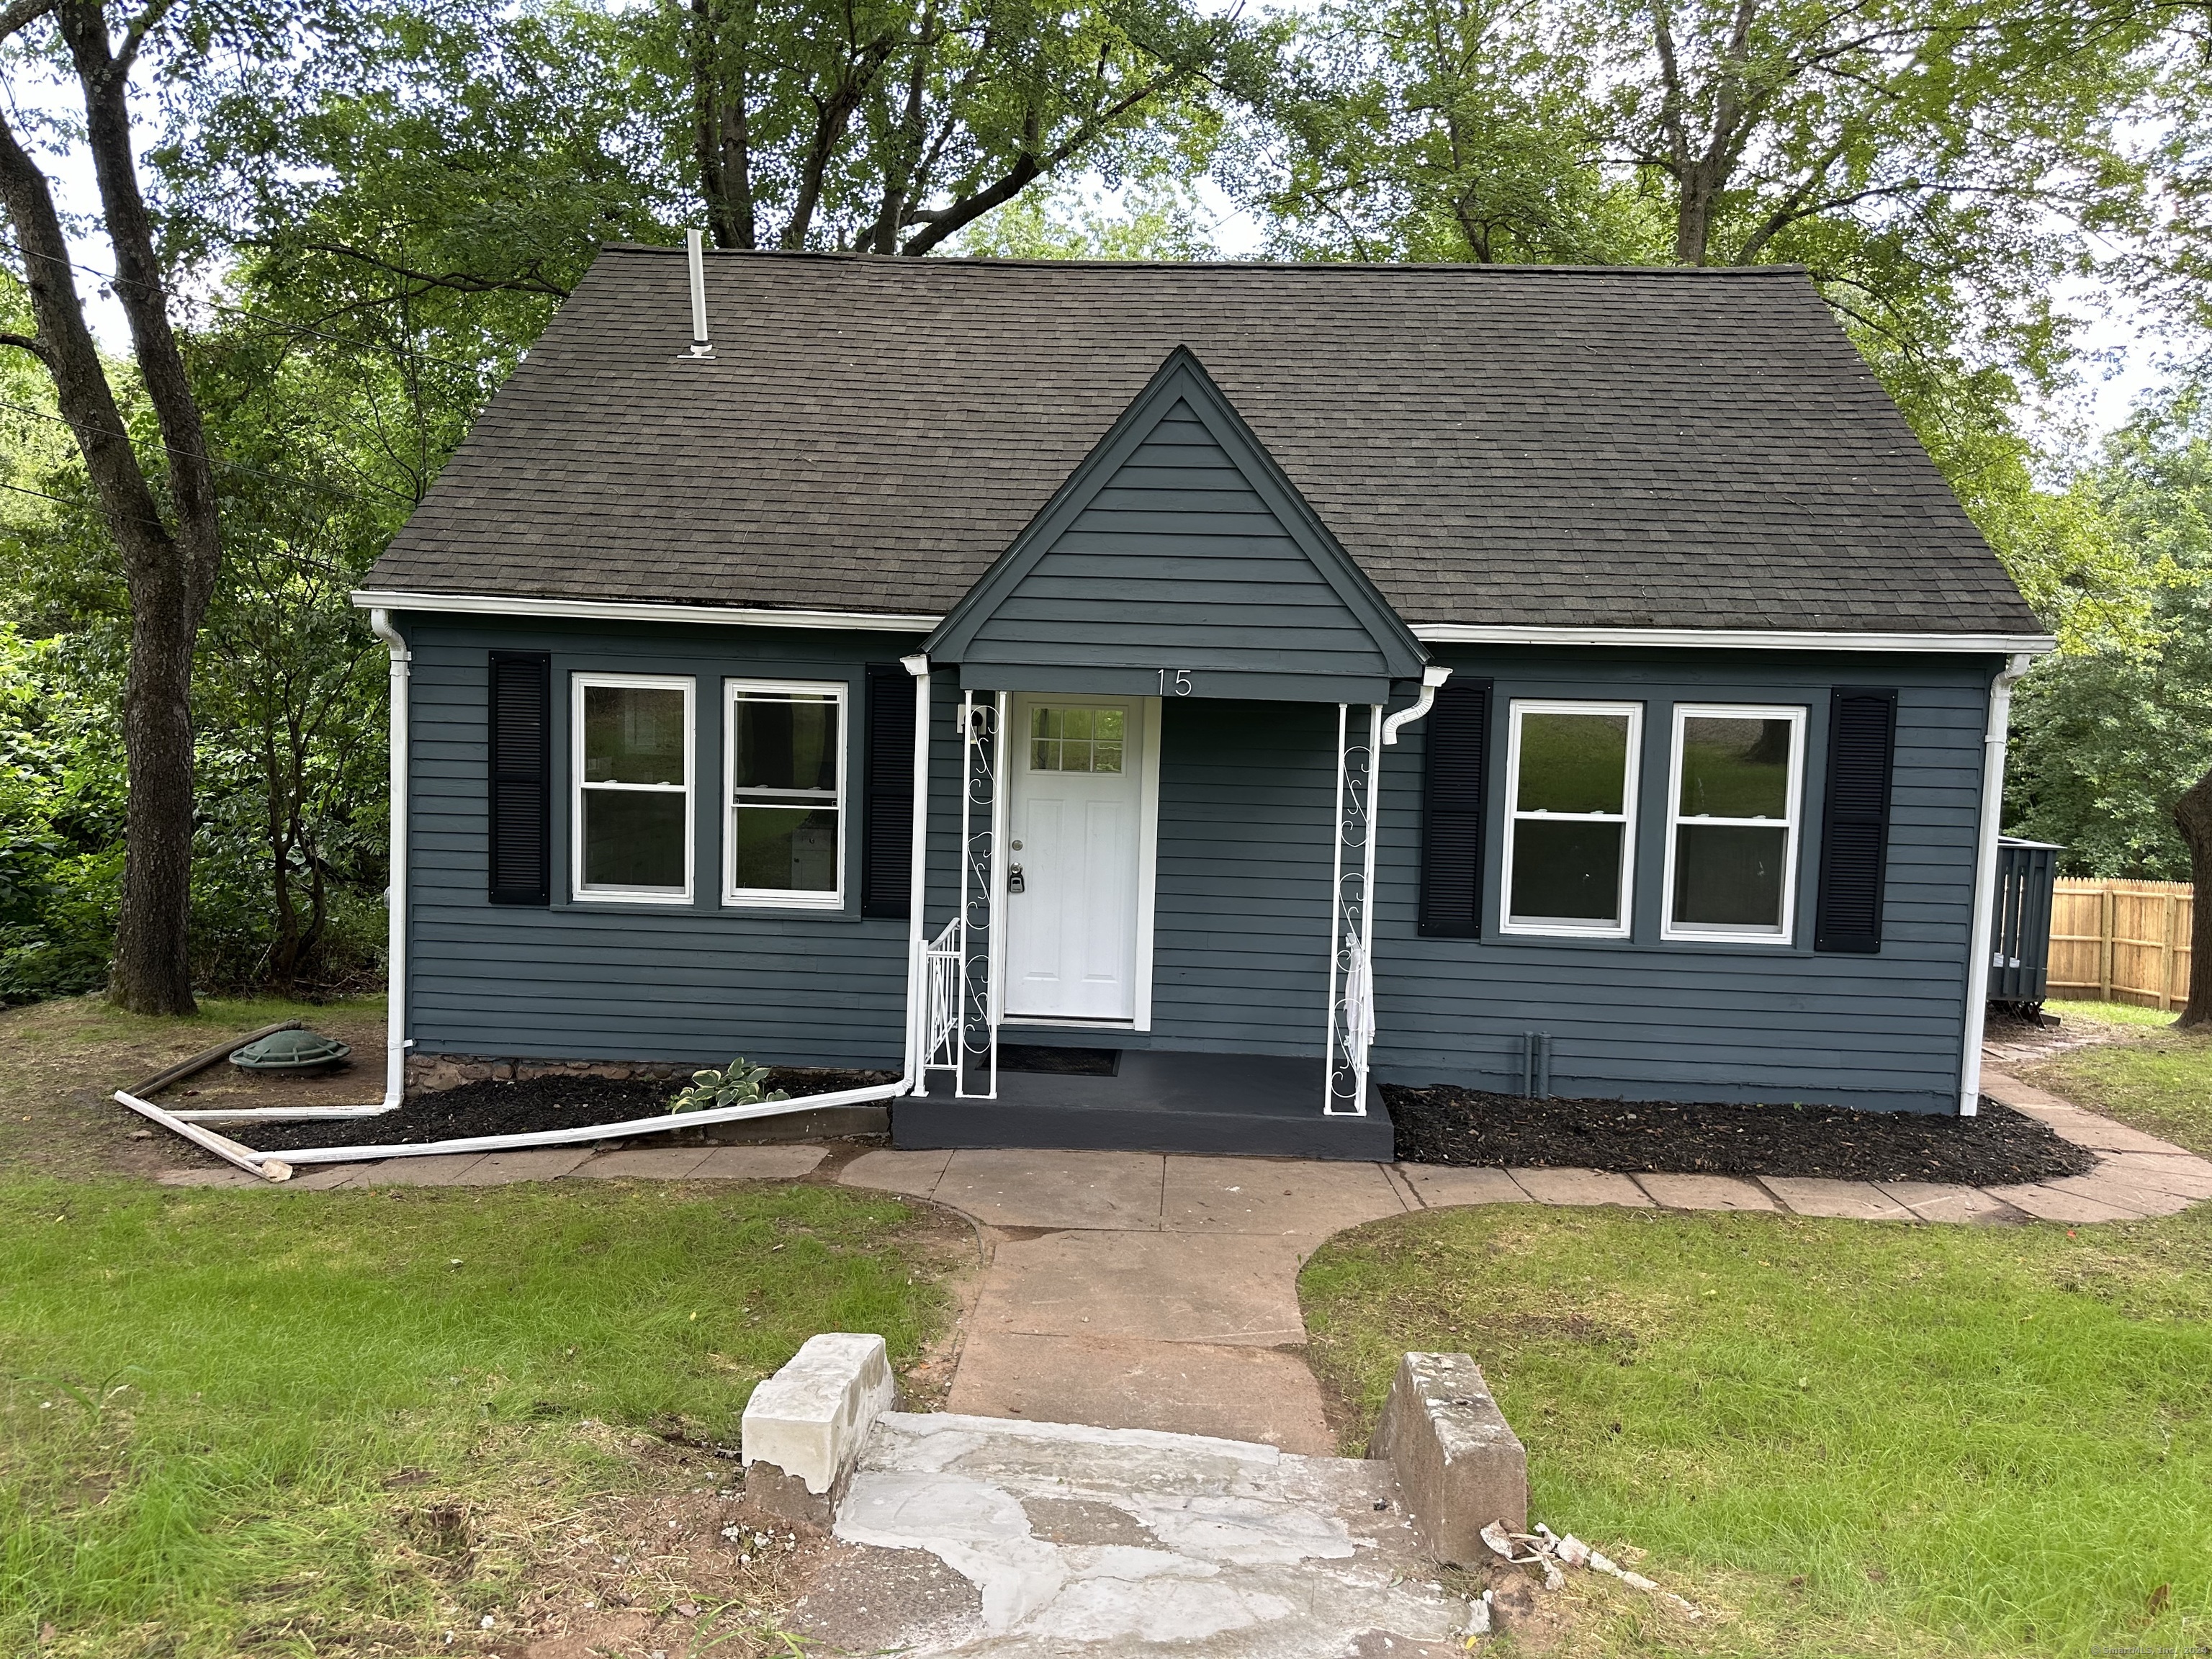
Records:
x=1290, y=1196
x=758, y=1163
x=1939, y=1201
x=1438, y=1187
x=1239, y=1289
x=1705, y=1192
x=1581, y=1187
x=1262, y=1394
x=1846, y=1200
x=1024, y=1188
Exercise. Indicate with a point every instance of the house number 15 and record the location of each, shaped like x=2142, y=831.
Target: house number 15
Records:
x=1182, y=687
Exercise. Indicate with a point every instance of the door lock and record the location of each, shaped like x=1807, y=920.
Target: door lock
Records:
x=1014, y=883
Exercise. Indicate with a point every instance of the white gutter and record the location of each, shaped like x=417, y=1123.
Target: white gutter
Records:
x=1433, y=677
x=719, y=616
x=917, y=944
x=1986, y=882
x=1735, y=639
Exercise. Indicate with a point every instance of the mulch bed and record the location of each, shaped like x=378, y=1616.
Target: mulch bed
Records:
x=1448, y=1125
x=492, y=1107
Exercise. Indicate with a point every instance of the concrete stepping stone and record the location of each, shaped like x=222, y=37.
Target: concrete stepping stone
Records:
x=1023, y=1187
x=1271, y=1195
x=915, y=1174
x=1247, y=1393
x=1942, y=1200
x=645, y=1163
x=758, y=1163
x=2187, y=1175
x=1438, y=1187
x=1582, y=1187
x=530, y=1163
x=1238, y=1288
x=1846, y=1200
x=1706, y=1192
x=2045, y=1201
x=440, y=1169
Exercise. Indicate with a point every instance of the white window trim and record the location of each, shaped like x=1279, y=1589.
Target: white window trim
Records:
x=1792, y=824
x=784, y=898
x=578, y=682
x=1632, y=766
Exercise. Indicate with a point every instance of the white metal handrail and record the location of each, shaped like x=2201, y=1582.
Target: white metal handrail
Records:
x=941, y=1040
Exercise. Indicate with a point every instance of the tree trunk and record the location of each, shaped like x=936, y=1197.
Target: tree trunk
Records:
x=2192, y=816
x=151, y=973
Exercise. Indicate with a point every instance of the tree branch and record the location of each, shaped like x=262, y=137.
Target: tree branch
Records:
x=27, y=343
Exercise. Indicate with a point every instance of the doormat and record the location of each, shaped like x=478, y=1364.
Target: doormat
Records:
x=1059, y=1063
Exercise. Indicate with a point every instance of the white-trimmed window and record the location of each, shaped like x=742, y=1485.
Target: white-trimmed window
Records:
x=1732, y=822
x=632, y=782
x=785, y=748
x=1570, y=817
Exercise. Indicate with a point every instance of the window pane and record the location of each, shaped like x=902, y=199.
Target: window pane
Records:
x=1736, y=768
x=1566, y=871
x=1572, y=763
x=1728, y=876
x=784, y=743
x=786, y=850
x=633, y=840
x=632, y=734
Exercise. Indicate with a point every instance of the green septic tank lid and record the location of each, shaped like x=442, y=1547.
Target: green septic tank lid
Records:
x=289, y=1051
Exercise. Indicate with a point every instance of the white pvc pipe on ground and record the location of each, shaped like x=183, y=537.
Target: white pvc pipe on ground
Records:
x=268, y=1166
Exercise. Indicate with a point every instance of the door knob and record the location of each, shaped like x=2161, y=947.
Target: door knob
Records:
x=1014, y=883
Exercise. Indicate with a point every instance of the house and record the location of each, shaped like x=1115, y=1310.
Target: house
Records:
x=1255, y=682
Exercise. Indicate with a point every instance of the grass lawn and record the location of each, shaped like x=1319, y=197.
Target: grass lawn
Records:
x=264, y=1421
x=2150, y=1075
x=1845, y=1438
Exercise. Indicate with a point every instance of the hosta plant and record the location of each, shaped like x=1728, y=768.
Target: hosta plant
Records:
x=738, y=1085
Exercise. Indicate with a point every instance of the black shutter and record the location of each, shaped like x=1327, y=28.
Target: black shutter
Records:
x=1854, y=825
x=521, y=757
x=887, y=794
x=1454, y=771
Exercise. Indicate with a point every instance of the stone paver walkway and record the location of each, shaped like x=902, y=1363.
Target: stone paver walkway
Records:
x=1145, y=1290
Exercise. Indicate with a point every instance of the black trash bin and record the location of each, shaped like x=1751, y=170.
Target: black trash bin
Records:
x=2020, y=931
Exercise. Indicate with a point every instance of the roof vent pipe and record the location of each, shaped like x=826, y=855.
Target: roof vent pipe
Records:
x=694, y=248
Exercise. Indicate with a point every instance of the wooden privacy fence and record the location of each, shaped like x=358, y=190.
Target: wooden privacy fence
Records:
x=2121, y=941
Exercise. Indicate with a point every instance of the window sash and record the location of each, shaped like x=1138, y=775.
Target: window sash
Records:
x=756, y=798
x=1789, y=824
x=1631, y=760
x=580, y=789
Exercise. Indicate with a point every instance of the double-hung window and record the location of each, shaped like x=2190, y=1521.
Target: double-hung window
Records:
x=1569, y=841
x=786, y=843
x=632, y=772
x=1732, y=822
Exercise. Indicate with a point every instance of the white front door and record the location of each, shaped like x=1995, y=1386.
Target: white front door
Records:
x=1073, y=858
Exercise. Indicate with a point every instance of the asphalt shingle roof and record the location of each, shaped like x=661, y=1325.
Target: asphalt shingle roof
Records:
x=1493, y=445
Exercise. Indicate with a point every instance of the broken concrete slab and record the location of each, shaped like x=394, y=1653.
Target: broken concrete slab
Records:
x=1266, y=1395
x=533, y=1163
x=758, y=1163
x=645, y=1163
x=2103, y=1185
x=1706, y=1192
x=1948, y=1201
x=1270, y=1195
x=1846, y=1200
x=1186, y=1542
x=1458, y=1460
x=1572, y=1185
x=915, y=1174
x=803, y=1428
x=1019, y=1187
x=2048, y=1203
x=1238, y=1288
x=1441, y=1186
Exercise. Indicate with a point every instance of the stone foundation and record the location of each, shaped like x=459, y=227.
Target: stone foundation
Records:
x=428, y=1073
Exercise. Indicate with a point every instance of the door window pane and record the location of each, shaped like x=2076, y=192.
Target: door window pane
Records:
x=633, y=838
x=1572, y=763
x=1729, y=876
x=633, y=734
x=1736, y=768
x=1077, y=739
x=1567, y=872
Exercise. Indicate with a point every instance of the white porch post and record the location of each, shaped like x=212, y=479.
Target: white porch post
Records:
x=1352, y=917
x=917, y=937
x=982, y=786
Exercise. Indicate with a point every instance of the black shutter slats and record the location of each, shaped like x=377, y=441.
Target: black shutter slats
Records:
x=1855, y=825
x=521, y=755
x=1454, y=778
x=887, y=794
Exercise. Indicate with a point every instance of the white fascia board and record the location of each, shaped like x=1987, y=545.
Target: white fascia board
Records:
x=501, y=604
x=1735, y=639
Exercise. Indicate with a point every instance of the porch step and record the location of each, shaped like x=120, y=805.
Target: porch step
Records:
x=1253, y=1105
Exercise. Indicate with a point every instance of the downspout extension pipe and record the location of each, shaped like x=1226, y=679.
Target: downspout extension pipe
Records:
x=1433, y=677
x=1994, y=737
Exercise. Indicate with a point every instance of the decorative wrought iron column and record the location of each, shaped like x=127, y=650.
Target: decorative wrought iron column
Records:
x=982, y=815
x=1351, y=919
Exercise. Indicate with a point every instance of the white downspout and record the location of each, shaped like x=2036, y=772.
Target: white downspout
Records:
x=1986, y=880
x=395, y=899
x=917, y=946
x=1433, y=677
